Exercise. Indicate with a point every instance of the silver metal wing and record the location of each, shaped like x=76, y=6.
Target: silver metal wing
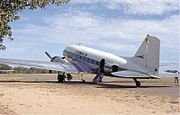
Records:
x=62, y=65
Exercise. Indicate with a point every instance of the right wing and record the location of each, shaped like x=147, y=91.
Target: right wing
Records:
x=62, y=65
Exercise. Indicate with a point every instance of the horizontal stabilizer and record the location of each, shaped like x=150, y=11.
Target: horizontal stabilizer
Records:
x=133, y=74
x=167, y=74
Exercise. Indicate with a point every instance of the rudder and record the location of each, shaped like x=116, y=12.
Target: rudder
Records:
x=149, y=51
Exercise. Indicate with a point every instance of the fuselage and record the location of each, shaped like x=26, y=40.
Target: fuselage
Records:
x=90, y=58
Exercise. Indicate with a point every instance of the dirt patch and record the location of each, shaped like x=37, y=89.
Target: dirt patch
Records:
x=54, y=98
x=5, y=110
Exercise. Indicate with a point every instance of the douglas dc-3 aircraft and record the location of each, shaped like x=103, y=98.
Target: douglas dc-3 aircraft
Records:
x=77, y=58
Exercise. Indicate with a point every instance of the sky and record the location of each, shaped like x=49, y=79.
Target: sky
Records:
x=115, y=26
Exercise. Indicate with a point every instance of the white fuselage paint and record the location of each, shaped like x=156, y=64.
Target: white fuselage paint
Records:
x=97, y=54
x=110, y=59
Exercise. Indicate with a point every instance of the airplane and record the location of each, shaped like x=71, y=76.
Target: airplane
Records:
x=78, y=58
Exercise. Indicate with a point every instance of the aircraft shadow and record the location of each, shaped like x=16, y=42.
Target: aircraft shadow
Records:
x=108, y=84
x=129, y=86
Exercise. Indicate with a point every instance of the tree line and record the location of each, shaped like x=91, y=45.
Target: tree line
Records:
x=171, y=71
x=4, y=69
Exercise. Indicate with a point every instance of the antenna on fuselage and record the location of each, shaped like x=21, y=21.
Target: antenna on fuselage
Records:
x=78, y=44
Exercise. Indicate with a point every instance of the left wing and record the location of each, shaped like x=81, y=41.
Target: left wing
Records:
x=62, y=65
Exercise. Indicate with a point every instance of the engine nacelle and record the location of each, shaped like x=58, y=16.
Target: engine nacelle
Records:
x=57, y=59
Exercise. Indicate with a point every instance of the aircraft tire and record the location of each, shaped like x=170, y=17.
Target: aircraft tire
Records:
x=61, y=78
x=97, y=79
x=138, y=84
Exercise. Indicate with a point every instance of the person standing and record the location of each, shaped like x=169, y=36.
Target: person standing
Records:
x=176, y=78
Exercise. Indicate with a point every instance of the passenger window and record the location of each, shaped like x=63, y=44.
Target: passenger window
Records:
x=97, y=63
x=76, y=56
x=83, y=58
x=88, y=60
x=91, y=61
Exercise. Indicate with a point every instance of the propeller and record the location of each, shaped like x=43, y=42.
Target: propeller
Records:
x=50, y=71
x=48, y=55
x=54, y=59
x=101, y=65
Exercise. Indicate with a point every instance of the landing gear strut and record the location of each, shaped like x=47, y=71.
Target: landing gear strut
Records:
x=98, y=78
x=69, y=77
x=100, y=73
x=138, y=84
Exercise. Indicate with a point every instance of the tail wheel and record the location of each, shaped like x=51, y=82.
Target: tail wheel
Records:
x=138, y=84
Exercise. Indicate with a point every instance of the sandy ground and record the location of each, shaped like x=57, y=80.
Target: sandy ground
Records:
x=41, y=95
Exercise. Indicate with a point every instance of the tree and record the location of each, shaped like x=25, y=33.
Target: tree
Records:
x=10, y=8
x=5, y=67
x=171, y=71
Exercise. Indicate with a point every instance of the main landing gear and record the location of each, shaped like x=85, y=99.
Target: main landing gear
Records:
x=100, y=74
x=61, y=77
x=138, y=84
x=98, y=78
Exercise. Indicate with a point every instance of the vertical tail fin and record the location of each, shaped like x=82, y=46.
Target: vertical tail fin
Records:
x=149, y=51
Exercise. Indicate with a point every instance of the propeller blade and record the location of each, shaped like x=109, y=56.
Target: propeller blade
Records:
x=101, y=65
x=48, y=55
